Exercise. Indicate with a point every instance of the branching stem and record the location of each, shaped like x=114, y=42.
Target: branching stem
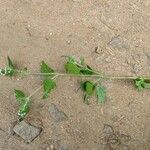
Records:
x=34, y=92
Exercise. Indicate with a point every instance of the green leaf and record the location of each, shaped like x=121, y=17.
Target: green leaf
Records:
x=24, y=109
x=48, y=85
x=24, y=104
x=45, y=68
x=139, y=82
x=142, y=83
x=89, y=87
x=101, y=94
x=20, y=96
x=72, y=68
x=10, y=63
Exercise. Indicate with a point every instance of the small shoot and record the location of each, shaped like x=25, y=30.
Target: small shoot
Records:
x=24, y=102
x=9, y=70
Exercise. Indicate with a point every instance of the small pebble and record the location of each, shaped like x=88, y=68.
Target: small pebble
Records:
x=27, y=131
x=108, y=129
x=56, y=114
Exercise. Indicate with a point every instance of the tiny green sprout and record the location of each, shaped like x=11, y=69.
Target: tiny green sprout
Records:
x=9, y=70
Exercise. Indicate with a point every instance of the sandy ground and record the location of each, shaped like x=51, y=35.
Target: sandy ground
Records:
x=33, y=30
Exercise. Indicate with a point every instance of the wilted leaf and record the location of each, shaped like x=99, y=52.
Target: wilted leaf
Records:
x=48, y=85
x=72, y=68
x=20, y=96
x=101, y=94
x=45, y=68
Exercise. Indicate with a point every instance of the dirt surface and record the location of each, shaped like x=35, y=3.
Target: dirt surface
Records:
x=119, y=30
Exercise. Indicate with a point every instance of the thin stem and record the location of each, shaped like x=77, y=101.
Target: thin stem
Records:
x=82, y=75
x=35, y=92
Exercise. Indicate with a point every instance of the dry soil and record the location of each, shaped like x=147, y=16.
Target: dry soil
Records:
x=112, y=35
